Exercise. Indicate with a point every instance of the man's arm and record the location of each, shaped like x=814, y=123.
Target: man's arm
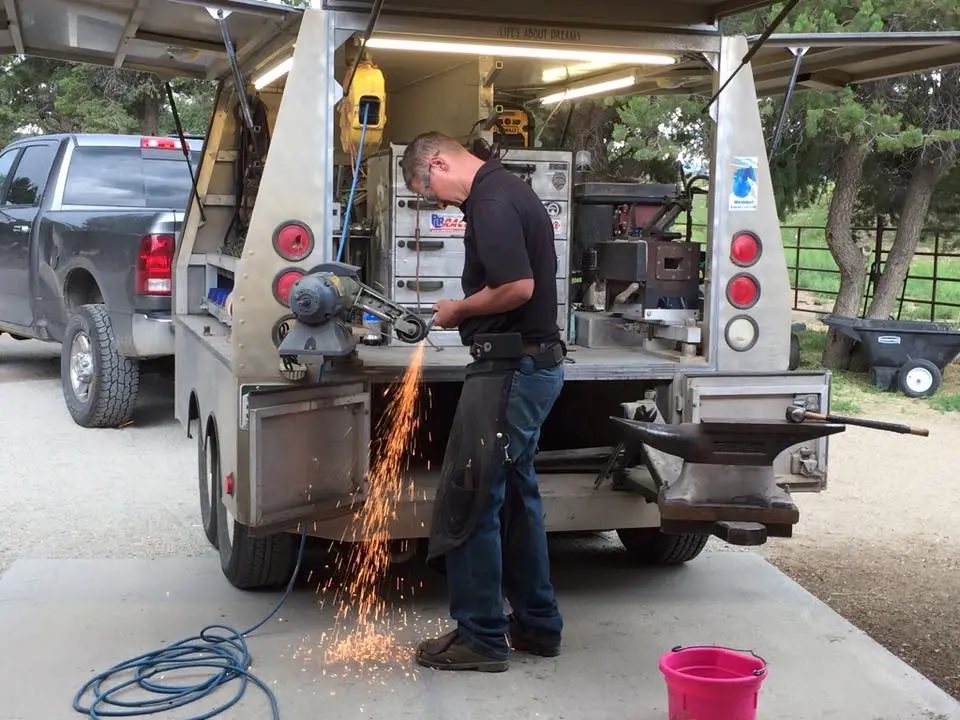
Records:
x=503, y=251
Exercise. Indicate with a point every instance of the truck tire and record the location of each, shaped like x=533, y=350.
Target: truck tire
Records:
x=99, y=384
x=248, y=562
x=919, y=378
x=208, y=471
x=652, y=547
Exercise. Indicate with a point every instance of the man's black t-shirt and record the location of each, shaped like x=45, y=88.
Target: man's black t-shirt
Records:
x=509, y=236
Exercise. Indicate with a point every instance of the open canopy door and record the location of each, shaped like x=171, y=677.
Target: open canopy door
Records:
x=829, y=61
x=173, y=38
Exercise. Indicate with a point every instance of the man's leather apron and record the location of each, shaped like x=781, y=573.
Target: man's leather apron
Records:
x=476, y=452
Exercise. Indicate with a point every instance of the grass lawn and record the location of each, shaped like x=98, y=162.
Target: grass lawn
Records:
x=813, y=269
x=852, y=394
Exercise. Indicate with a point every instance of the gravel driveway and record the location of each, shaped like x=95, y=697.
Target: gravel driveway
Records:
x=882, y=545
x=71, y=492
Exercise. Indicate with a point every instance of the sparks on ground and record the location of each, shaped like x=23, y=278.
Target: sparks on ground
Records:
x=361, y=605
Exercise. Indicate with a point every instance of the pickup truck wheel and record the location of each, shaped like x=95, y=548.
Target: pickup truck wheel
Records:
x=249, y=562
x=652, y=547
x=99, y=384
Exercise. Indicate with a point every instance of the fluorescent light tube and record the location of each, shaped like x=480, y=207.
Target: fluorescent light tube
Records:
x=594, y=89
x=274, y=73
x=567, y=72
x=545, y=52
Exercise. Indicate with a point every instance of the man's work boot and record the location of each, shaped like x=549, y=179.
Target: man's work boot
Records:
x=523, y=641
x=452, y=652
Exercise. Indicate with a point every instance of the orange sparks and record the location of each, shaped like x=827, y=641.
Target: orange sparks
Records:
x=368, y=561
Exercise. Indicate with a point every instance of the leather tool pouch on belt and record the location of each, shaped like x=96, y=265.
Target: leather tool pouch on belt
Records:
x=474, y=453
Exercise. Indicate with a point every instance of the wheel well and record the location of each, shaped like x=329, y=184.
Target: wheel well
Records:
x=81, y=288
x=193, y=413
x=211, y=429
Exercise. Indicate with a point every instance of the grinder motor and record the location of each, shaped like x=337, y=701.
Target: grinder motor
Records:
x=322, y=301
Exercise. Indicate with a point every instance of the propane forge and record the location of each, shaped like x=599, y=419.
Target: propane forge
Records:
x=323, y=300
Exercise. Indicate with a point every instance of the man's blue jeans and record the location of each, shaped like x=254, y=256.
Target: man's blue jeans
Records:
x=479, y=574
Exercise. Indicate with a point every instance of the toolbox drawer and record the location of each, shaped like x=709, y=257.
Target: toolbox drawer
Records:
x=438, y=257
x=444, y=257
x=550, y=176
x=449, y=222
x=431, y=289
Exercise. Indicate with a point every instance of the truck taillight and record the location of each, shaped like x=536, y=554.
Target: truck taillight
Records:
x=163, y=143
x=745, y=249
x=154, y=275
x=293, y=241
x=743, y=291
x=283, y=284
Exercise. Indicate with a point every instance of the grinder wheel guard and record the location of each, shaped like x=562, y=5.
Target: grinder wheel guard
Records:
x=475, y=454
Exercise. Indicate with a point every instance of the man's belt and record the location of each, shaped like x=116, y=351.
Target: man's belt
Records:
x=509, y=347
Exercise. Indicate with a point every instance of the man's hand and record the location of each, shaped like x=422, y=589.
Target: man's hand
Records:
x=448, y=314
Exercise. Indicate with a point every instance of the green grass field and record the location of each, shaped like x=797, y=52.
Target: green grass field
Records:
x=851, y=392
x=813, y=269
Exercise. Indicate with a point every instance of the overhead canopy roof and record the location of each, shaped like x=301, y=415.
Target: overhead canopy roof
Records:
x=170, y=37
x=614, y=14
x=831, y=61
x=181, y=38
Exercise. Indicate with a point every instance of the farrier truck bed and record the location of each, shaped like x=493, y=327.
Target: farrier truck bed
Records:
x=659, y=327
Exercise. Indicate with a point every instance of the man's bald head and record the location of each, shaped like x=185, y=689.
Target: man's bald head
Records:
x=438, y=167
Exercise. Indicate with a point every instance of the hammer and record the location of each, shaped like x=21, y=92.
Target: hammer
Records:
x=798, y=415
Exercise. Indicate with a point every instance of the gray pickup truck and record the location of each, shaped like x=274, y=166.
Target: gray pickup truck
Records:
x=88, y=227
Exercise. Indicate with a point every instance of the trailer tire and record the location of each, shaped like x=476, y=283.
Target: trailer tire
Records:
x=251, y=563
x=919, y=378
x=652, y=547
x=794, y=351
x=99, y=385
x=208, y=471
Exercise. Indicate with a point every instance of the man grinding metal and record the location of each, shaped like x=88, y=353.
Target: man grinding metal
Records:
x=488, y=519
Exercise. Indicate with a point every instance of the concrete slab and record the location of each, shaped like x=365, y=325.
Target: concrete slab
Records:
x=62, y=621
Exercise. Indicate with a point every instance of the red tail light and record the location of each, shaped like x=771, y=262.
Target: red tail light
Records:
x=293, y=241
x=745, y=249
x=154, y=274
x=162, y=143
x=743, y=291
x=283, y=284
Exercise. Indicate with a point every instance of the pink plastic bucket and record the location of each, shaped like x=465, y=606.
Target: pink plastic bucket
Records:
x=712, y=683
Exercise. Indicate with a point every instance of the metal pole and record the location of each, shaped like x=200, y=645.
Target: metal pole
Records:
x=238, y=82
x=936, y=270
x=798, y=53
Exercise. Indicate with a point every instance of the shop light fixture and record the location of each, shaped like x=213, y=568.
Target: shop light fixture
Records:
x=273, y=74
x=519, y=51
x=595, y=89
x=572, y=70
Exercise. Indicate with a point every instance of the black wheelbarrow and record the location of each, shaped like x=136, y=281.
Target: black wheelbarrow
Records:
x=911, y=354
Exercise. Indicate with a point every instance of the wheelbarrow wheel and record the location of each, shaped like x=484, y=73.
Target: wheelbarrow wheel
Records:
x=919, y=378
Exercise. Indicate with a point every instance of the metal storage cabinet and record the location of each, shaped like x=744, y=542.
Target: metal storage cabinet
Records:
x=417, y=256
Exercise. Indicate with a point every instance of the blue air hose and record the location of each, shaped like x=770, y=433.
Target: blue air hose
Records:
x=353, y=186
x=226, y=654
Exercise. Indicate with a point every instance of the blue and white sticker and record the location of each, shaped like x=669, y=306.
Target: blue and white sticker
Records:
x=743, y=189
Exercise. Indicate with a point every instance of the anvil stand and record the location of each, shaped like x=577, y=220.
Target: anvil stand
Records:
x=717, y=478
